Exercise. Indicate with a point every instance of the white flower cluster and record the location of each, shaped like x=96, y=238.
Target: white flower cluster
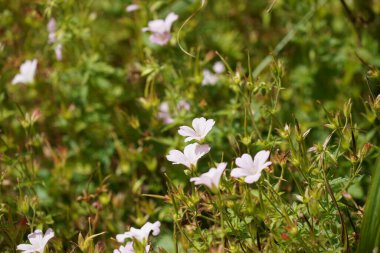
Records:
x=38, y=240
x=248, y=167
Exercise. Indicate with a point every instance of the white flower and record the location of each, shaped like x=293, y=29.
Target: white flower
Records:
x=211, y=178
x=209, y=78
x=38, y=241
x=141, y=234
x=218, y=67
x=27, y=72
x=251, y=169
x=190, y=156
x=128, y=248
x=201, y=127
x=132, y=8
x=161, y=29
x=164, y=113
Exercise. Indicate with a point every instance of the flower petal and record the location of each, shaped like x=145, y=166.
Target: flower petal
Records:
x=252, y=178
x=239, y=172
x=245, y=162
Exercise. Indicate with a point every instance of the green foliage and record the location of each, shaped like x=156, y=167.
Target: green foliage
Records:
x=83, y=147
x=370, y=232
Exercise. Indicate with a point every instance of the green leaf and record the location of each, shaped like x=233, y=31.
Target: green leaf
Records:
x=370, y=229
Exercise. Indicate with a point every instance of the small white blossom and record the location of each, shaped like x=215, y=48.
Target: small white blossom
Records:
x=249, y=168
x=160, y=29
x=132, y=8
x=128, y=248
x=209, y=78
x=218, y=67
x=190, y=156
x=201, y=127
x=141, y=234
x=37, y=241
x=27, y=72
x=211, y=178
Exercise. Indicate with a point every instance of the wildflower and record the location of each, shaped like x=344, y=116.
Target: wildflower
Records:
x=249, y=168
x=38, y=241
x=190, y=156
x=209, y=78
x=27, y=72
x=141, y=234
x=218, y=67
x=183, y=105
x=211, y=178
x=201, y=127
x=161, y=29
x=58, y=52
x=51, y=27
x=128, y=248
x=132, y=8
x=164, y=114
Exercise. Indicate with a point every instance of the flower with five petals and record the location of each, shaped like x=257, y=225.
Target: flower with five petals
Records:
x=160, y=29
x=190, y=156
x=211, y=178
x=201, y=127
x=251, y=168
x=141, y=234
x=37, y=241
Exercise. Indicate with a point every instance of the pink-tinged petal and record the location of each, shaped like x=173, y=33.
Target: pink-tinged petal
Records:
x=160, y=38
x=245, y=162
x=202, y=180
x=186, y=131
x=209, y=78
x=198, y=124
x=252, y=178
x=58, y=52
x=201, y=150
x=218, y=67
x=170, y=18
x=239, y=172
x=208, y=126
x=35, y=237
x=132, y=7
x=177, y=157
x=264, y=166
x=157, y=26
x=48, y=235
x=190, y=139
x=18, y=79
x=27, y=248
x=156, y=228
x=121, y=237
x=261, y=157
x=51, y=26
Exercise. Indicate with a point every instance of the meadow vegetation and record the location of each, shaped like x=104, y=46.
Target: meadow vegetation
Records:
x=189, y=126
